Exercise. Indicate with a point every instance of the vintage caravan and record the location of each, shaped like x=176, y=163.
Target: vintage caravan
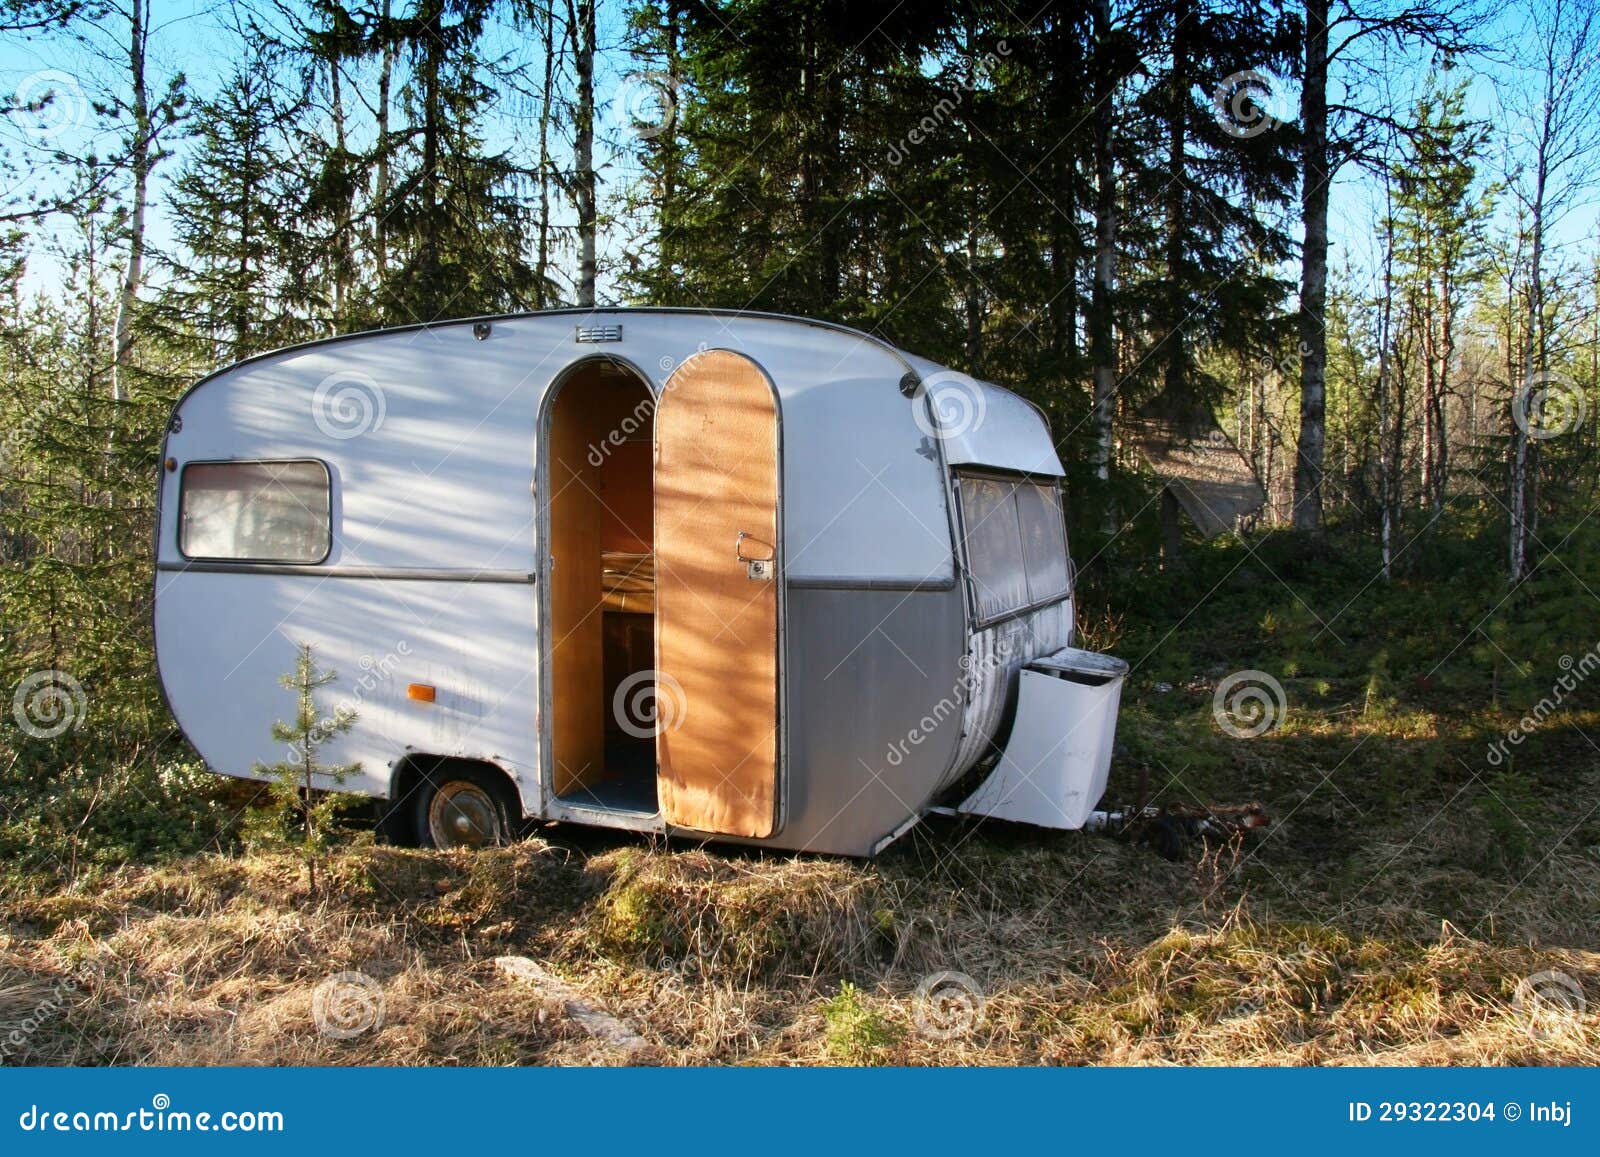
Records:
x=723, y=575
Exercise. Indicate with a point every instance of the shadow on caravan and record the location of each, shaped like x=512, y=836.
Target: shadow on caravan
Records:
x=723, y=575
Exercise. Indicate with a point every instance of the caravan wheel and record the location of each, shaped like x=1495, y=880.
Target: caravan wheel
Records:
x=466, y=807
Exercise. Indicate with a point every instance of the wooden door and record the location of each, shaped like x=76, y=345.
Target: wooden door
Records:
x=717, y=582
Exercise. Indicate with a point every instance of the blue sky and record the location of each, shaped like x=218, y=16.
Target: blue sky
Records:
x=195, y=38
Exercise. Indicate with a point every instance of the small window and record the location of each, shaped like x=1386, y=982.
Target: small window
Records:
x=994, y=546
x=255, y=511
x=1016, y=544
x=1044, y=541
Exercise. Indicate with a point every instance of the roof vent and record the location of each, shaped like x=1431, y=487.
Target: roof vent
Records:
x=594, y=334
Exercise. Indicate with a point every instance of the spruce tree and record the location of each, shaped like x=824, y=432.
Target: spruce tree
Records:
x=224, y=301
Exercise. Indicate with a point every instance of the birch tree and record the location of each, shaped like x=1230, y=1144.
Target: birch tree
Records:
x=1553, y=109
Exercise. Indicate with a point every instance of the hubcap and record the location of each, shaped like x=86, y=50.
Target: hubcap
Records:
x=463, y=816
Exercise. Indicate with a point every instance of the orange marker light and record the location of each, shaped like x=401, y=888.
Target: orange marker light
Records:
x=421, y=692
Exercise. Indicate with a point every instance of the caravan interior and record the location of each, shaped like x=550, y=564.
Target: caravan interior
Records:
x=602, y=587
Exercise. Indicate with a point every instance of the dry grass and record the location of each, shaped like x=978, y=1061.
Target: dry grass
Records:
x=1081, y=950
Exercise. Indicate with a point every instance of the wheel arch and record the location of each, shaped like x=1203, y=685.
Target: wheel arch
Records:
x=407, y=774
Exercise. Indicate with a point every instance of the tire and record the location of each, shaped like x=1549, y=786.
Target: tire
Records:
x=464, y=807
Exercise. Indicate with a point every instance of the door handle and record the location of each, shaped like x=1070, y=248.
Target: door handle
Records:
x=738, y=548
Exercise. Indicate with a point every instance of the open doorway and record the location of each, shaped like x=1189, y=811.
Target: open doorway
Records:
x=601, y=573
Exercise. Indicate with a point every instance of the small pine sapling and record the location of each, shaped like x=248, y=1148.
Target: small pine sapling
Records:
x=291, y=782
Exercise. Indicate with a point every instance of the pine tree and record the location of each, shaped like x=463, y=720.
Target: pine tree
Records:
x=293, y=782
x=1208, y=276
x=224, y=301
x=1441, y=211
x=457, y=229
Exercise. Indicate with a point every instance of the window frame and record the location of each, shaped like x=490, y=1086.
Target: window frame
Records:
x=979, y=622
x=183, y=491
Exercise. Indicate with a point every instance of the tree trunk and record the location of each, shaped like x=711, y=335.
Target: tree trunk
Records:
x=1066, y=242
x=430, y=79
x=583, y=52
x=1524, y=464
x=140, y=161
x=1313, y=271
x=541, y=263
x=380, y=193
x=1102, y=334
x=972, y=304
x=671, y=150
x=341, y=224
x=1171, y=527
x=1177, y=177
x=1386, y=468
x=1430, y=389
x=1441, y=414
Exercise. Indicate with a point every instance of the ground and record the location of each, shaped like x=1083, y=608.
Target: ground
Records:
x=1415, y=901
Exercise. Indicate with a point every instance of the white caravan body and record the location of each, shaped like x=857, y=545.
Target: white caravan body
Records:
x=713, y=574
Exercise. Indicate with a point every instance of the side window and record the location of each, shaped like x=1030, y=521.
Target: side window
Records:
x=1015, y=544
x=255, y=511
x=1044, y=541
x=993, y=545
